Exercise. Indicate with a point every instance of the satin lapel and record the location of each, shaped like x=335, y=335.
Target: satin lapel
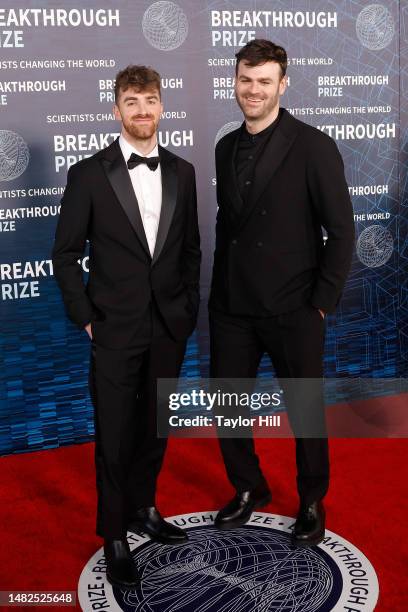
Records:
x=118, y=176
x=168, y=167
x=273, y=155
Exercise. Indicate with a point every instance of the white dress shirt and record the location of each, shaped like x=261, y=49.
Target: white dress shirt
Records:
x=147, y=185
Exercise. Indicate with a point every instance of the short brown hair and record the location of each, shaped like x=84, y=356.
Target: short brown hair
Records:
x=139, y=77
x=259, y=51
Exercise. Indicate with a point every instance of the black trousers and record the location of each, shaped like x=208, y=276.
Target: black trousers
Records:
x=128, y=453
x=294, y=342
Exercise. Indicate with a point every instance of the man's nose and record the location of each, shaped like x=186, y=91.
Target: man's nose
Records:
x=254, y=89
x=142, y=109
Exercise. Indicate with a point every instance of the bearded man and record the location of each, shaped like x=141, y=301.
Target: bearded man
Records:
x=279, y=181
x=135, y=203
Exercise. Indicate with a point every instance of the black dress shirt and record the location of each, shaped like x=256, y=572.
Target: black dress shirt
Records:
x=249, y=149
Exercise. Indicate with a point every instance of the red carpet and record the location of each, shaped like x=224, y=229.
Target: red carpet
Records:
x=48, y=506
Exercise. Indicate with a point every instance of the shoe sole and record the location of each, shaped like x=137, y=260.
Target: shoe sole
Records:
x=308, y=543
x=155, y=538
x=122, y=585
x=239, y=522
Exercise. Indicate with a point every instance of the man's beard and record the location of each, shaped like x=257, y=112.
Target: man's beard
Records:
x=253, y=113
x=141, y=132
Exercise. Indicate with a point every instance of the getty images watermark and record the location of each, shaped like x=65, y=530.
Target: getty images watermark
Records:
x=268, y=407
x=222, y=400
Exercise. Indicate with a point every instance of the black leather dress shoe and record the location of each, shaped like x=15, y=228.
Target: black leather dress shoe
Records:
x=120, y=568
x=310, y=524
x=150, y=521
x=238, y=511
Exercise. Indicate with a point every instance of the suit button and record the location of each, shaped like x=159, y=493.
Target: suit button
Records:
x=234, y=241
x=259, y=244
x=263, y=212
x=247, y=182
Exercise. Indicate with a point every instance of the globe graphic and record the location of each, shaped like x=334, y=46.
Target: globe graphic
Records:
x=165, y=25
x=375, y=27
x=374, y=246
x=226, y=129
x=14, y=155
x=242, y=570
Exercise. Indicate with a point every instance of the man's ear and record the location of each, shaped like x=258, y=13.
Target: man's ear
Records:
x=116, y=112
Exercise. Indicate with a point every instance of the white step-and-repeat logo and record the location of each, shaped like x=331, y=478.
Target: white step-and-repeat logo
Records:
x=375, y=246
x=165, y=25
x=14, y=155
x=375, y=27
x=253, y=568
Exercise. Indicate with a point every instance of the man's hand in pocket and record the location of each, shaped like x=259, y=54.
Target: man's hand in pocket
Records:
x=88, y=330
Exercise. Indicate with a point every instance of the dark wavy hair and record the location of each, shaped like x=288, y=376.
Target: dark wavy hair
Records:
x=140, y=77
x=259, y=51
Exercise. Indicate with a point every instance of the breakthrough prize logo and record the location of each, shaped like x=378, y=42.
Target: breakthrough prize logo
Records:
x=14, y=155
x=375, y=27
x=165, y=25
x=226, y=129
x=254, y=567
x=374, y=246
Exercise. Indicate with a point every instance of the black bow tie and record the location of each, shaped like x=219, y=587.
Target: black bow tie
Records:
x=134, y=160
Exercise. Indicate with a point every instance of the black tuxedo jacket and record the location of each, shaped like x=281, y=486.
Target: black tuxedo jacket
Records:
x=99, y=205
x=270, y=257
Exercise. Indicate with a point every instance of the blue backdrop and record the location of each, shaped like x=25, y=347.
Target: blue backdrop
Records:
x=348, y=76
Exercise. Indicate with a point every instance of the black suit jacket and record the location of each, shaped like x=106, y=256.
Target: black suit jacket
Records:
x=271, y=258
x=99, y=205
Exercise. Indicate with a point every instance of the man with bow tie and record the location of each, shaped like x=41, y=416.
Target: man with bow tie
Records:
x=135, y=203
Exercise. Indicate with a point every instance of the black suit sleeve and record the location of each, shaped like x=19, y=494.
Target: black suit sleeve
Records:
x=221, y=238
x=69, y=246
x=334, y=211
x=191, y=248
